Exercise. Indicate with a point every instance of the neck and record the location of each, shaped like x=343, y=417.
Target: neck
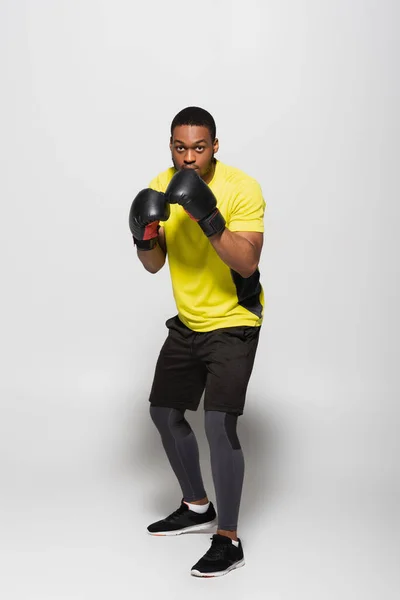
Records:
x=210, y=173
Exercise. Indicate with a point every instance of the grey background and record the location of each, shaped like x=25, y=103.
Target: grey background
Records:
x=305, y=95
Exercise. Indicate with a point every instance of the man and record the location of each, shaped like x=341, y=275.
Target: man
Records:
x=207, y=218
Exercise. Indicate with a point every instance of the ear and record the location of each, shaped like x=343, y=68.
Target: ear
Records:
x=216, y=145
x=170, y=143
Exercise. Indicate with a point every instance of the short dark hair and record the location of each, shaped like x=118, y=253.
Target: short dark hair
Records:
x=194, y=115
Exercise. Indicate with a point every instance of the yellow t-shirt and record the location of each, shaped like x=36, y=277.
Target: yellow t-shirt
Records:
x=208, y=294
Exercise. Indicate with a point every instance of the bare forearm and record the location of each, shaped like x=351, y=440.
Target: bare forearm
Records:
x=236, y=251
x=152, y=260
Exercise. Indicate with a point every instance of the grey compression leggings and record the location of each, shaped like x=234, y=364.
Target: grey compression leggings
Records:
x=227, y=463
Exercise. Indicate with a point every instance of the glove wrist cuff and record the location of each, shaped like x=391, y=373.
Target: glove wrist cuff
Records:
x=145, y=244
x=214, y=223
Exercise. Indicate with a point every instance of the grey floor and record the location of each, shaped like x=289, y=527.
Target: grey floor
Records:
x=86, y=540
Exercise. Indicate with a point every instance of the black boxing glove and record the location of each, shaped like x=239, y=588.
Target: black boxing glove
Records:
x=189, y=190
x=147, y=210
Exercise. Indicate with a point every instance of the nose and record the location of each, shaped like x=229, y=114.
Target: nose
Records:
x=190, y=157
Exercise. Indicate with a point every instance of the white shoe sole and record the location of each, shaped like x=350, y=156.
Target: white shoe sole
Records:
x=203, y=528
x=237, y=565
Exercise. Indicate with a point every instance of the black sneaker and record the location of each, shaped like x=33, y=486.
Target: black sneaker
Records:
x=184, y=520
x=223, y=556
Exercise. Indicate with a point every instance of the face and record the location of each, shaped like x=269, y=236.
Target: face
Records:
x=192, y=148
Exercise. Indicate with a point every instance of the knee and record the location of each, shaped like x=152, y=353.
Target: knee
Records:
x=170, y=420
x=220, y=428
x=159, y=416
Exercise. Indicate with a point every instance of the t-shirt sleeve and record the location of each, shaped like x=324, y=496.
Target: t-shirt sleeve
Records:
x=247, y=209
x=155, y=184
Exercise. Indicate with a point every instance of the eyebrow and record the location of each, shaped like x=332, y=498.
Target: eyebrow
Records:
x=198, y=142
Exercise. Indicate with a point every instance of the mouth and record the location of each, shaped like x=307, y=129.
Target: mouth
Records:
x=190, y=168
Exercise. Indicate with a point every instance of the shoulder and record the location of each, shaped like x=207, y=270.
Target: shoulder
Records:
x=160, y=182
x=243, y=195
x=236, y=178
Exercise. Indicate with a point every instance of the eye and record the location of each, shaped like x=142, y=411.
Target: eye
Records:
x=179, y=148
x=200, y=148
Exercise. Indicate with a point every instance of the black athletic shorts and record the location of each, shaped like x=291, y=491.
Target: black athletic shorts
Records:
x=219, y=362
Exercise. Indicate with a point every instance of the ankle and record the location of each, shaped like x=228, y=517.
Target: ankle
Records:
x=201, y=502
x=230, y=534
